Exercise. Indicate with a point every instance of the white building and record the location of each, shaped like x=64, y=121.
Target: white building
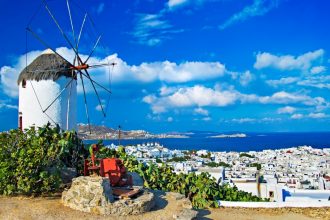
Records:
x=39, y=85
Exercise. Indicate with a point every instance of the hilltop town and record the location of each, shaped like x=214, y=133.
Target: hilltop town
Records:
x=265, y=173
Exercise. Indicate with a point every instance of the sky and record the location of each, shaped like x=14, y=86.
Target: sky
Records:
x=181, y=65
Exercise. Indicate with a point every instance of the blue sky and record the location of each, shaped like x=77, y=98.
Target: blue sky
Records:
x=221, y=65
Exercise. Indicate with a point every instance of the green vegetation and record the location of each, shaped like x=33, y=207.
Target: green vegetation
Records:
x=190, y=152
x=179, y=159
x=202, y=189
x=220, y=164
x=208, y=155
x=258, y=165
x=246, y=155
x=30, y=161
x=305, y=182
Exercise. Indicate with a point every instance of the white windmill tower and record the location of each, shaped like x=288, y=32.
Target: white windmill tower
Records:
x=40, y=83
x=48, y=85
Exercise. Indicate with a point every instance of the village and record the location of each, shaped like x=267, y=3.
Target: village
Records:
x=267, y=173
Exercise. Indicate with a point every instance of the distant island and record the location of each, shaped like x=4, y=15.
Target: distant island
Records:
x=103, y=132
x=240, y=135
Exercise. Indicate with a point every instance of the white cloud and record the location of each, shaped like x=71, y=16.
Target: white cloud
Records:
x=267, y=119
x=253, y=120
x=152, y=29
x=201, y=111
x=164, y=71
x=154, y=117
x=257, y=8
x=8, y=81
x=164, y=90
x=288, y=62
x=200, y=96
x=287, y=98
x=318, y=115
x=243, y=120
x=9, y=74
x=207, y=119
x=191, y=96
x=7, y=106
x=169, y=119
x=318, y=69
x=319, y=81
x=282, y=81
x=175, y=3
x=286, y=110
x=99, y=108
x=297, y=116
x=100, y=8
x=245, y=78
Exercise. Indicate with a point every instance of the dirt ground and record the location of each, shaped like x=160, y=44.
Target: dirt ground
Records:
x=51, y=208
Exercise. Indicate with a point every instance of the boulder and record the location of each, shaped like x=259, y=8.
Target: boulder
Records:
x=94, y=194
x=186, y=214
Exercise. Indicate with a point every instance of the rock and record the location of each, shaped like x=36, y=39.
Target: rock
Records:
x=185, y=203
x=176, y=196
x=186, y=214
x=88, y=193
x=94, y=194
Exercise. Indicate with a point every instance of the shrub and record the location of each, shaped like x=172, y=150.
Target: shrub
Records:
x=246, y=155
x=220, y=164
x=179, y=159
x=257, y=165
x=202, y=189
x=30, y=161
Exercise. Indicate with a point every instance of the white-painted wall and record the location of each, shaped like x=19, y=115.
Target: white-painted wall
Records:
x=217, y=173
x=265, y=189
x=300, y=204
x=47, y=91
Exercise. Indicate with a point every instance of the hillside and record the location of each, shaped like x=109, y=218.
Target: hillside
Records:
x=103, y=132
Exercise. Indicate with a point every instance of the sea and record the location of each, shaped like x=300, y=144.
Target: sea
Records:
x=252, y=141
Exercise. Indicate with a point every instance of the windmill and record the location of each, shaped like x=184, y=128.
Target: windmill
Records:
x=51, y=79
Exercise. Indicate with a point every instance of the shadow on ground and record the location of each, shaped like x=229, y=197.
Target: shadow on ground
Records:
x=161, y=202
x=202, y=213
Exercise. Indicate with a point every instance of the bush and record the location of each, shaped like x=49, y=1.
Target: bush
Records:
x=30, y=161
x=179, y=159
x=257, y=165
x=220, y=164
x=202, y=189
x=246, y=155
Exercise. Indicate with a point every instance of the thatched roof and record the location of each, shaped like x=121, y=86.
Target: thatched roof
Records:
x=44, y=67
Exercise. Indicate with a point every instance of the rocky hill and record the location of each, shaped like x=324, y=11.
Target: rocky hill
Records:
x=103, y=132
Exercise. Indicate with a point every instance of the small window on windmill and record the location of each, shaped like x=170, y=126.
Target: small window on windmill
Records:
x=23, y=83
x=271, y=194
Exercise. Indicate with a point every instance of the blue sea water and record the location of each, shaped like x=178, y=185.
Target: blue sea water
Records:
x=253, y=141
